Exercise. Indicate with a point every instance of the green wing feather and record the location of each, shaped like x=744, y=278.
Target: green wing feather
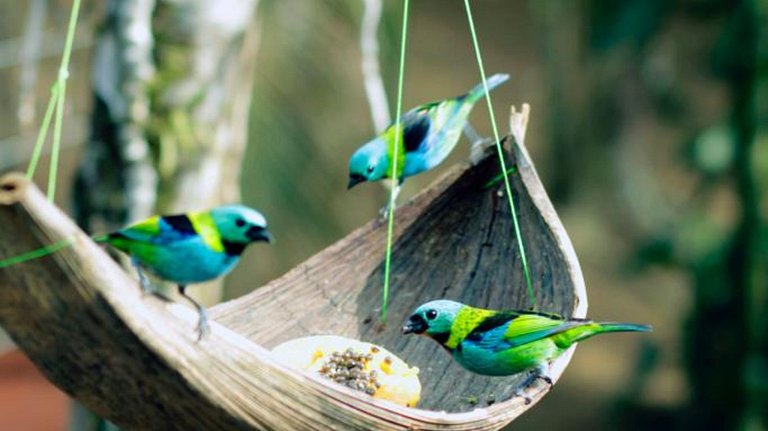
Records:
x=145, y=231
x=528, y=328
x=148, y=228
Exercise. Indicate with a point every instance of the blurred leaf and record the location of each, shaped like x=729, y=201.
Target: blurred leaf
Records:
x=630, y=21
x=733, y=54
x=712, y=151
x=657, y=250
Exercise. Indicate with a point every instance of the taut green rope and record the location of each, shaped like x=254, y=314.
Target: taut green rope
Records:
x=521, y=247
x=391, y=215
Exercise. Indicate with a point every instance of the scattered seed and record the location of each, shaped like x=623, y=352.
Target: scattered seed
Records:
x=348, y=368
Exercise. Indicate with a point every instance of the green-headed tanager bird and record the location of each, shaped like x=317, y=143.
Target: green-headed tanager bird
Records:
x=427, y=134
x=502, y=343
x=192, y=247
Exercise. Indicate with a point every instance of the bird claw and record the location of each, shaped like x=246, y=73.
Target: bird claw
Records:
x=391, y=202
x=479, y=150
x=539, y=373
x=203, y=328
x=146, y=286
x=546, y=379
x=521, y=394
x=383, y=213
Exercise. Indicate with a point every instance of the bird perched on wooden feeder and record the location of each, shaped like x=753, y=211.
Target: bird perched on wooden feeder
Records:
x=502, y=343
x=192, y=247
x=426, y=135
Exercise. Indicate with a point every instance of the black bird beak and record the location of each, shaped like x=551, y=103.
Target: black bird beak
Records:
x=415, y=325
x=258, y=233
x=355, y=179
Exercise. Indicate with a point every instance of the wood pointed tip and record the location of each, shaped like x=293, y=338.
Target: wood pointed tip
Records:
x=518, y=122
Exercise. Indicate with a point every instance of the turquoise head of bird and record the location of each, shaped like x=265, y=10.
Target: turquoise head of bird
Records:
x=369, y=163
x=240, y=226
x=434, y=319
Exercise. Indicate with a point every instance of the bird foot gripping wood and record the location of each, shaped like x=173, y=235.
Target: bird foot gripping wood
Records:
x=146, y=286
x=203, y=328
x=391, y=202
x=480, y=150
x=539, y=373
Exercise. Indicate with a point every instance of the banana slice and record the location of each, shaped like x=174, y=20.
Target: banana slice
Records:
x=359, y=365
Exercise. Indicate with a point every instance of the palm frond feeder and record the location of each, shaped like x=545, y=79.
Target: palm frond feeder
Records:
x=133, y=358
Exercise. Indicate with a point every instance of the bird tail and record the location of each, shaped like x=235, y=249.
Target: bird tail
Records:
x=479, y=90
x=589, y=329
x=623, y=327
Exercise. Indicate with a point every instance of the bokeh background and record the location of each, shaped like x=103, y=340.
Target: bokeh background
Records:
x=649, y=129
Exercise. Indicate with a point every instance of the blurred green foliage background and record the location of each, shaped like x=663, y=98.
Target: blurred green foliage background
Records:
x=649, y=129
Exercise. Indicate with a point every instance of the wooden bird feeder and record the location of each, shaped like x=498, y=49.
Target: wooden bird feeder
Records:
x=134, y=359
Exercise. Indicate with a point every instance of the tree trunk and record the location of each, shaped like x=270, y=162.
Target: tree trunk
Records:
x=172, y=89
x=170, y=122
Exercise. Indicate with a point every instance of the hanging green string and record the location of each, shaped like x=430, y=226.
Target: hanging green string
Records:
x=394, y=176
x=55, y=105
x=504, y=171
x=58, y=94
x=43, y=133
x=62, y=89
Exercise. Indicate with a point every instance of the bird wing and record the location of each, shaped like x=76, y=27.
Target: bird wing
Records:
x=157, y=230
x=512, y=329
x=416, y=124
x=528, y=328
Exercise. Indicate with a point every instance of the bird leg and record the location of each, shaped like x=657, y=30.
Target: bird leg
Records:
x=384, y=211
x=540, y=372
x=471, y=133
x=480, y=145
x=202, y=324
x=146, y=286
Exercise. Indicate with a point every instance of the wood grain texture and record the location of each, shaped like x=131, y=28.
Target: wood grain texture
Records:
x=134, y=360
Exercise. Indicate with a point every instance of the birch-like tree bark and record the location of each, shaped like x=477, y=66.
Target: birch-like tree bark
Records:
x=172, y=87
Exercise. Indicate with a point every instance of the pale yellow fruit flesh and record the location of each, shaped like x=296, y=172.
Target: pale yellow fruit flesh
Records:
x=399, y=382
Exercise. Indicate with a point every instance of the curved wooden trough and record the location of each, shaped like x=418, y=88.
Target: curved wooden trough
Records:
x=133, y=358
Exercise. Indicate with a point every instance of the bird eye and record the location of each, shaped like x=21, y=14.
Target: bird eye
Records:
x=431, y=314
x=370, y=169
x=239, y=222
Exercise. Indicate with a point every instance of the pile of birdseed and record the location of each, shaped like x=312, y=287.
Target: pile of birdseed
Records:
x=348, y=368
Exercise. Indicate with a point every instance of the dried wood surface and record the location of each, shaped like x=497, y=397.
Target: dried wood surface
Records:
x=133, y=358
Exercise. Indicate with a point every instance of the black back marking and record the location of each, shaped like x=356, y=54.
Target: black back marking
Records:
x=180, y=223
x=491, y=322
x=416, y=128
